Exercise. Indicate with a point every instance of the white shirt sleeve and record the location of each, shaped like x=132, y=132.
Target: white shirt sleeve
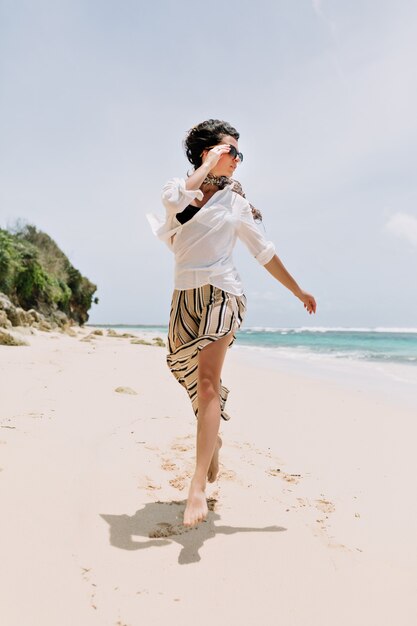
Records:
x=175, y=197
x=249, y=233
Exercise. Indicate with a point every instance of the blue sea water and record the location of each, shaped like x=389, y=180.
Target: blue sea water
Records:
x=383, y=345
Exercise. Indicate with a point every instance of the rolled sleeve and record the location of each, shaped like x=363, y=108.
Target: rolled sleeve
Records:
x=175, y=197
x=249, y=233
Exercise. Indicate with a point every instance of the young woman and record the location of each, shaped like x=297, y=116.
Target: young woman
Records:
x=205, y=213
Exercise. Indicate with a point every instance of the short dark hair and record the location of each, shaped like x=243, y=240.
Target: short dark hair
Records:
x=205, y=135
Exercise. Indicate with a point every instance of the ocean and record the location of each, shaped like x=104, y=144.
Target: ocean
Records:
x=377, y=345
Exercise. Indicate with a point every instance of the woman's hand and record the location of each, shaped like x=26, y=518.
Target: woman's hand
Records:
x=213, y=155
x=210, y=161
x=308, y=300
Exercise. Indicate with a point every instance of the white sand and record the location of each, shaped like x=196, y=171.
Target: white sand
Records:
x=91, y=477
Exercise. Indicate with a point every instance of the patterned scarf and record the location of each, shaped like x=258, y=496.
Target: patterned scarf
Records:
x=219, y=181
x=222, y=181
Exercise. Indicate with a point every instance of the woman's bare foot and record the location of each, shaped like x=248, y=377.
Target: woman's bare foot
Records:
x=196, y=509
x=214, y=463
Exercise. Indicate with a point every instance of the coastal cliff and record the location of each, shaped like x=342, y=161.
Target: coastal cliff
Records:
x=39, y=286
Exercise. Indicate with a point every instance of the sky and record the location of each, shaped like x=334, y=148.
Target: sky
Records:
x=96, y=97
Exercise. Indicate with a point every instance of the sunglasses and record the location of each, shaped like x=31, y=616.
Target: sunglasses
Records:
x=233, y=152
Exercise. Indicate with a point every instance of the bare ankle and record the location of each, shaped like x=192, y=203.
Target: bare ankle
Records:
x=199, y=481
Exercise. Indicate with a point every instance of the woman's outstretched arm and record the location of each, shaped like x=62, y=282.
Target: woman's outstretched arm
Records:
x=277, y=269
x=264, y=253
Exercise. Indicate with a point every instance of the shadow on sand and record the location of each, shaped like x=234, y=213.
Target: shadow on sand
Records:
x=161, y=524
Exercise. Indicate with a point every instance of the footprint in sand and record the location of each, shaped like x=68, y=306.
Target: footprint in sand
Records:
x=250, y=454
x=179, y=481
x=148, y=483
x=246, y=460
x=86, y=577
x=325, y=506
x=168, y=530
x=180, y=447
x=227, y=474
x=290, y=478
x=240, y=445
x=181, y=443
x=168, y=465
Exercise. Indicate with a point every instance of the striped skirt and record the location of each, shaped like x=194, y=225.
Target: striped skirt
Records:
x=198, y=317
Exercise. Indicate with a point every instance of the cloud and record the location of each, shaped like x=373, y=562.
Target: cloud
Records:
x=318, y=10
x=404, y=226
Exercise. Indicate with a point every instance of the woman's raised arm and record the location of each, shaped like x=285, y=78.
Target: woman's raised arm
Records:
x=210, y=160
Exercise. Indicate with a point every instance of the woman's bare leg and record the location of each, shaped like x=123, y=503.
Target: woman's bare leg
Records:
x=210, y=363
x=213, y=469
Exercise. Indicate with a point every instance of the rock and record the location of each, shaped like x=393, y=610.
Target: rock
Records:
x=44, y=325
x=18, y=316
x=98, y=332
x=7, y=339
x=156, y=341
x=89, y=337
x=14, y=316
x=4, y=320
x=127, y=390
x=5, y=302
x=68, y=330
x=60, y=318
x=112, y=333
x=36, y=317
x=22, y=330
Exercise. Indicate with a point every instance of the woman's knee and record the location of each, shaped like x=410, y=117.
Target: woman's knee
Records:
x=207, y=387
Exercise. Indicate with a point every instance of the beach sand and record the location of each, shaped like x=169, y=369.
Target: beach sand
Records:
x=312, y=520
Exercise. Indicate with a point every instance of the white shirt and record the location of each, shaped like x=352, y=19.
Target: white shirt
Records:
x=203, y=246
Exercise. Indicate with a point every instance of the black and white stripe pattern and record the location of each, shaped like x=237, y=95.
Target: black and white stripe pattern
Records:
x=198, y=317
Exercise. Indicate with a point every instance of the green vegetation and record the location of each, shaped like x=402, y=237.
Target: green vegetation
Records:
x=35, y=273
